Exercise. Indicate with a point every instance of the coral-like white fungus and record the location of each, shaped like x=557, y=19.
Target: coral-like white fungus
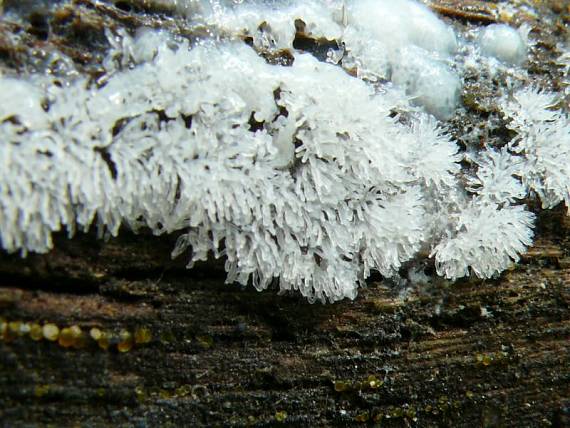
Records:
x=300, y=173
x=543, y=142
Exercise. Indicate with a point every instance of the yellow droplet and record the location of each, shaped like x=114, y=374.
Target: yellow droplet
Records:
x=3, y=327
x=104, y=341
x=469, y=394
x=487, y=360
x=125, y=341
x=24, y=328
x=183, y=390
x=95, y=333
x=340, y=386
x=125, y=346
x=140, y=393
x=79, y=339
x=41, y=390
x=397, y=412
x=50, y=331
x=374, y=382
x=75, y=331
x=36, y=332
x=410, y=413
x=14, y=328
x=100, y=392
x=65, y=337
x=205, y=341
x=164, y=394
x=280, y=416
x=125, y=335
x=142, y=336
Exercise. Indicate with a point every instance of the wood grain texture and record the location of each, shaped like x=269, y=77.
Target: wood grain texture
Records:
x=477, y=353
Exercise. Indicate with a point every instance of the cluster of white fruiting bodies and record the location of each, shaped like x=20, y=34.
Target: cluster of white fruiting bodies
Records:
x=312, y=174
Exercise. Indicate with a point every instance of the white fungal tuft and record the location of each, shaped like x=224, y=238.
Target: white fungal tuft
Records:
x=312, y=172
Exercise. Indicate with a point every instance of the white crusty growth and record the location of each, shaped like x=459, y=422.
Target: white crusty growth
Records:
x=323, y=191
x=543, y=142
x=300, y=174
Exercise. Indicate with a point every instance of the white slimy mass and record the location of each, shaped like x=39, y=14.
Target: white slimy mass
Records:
x=503, y=43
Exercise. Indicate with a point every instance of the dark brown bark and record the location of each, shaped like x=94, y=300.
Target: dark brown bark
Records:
x=476, y=353
x=183, y=348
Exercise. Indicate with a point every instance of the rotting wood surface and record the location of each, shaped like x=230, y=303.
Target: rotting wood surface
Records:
x=163, y=346
x=141, y=341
